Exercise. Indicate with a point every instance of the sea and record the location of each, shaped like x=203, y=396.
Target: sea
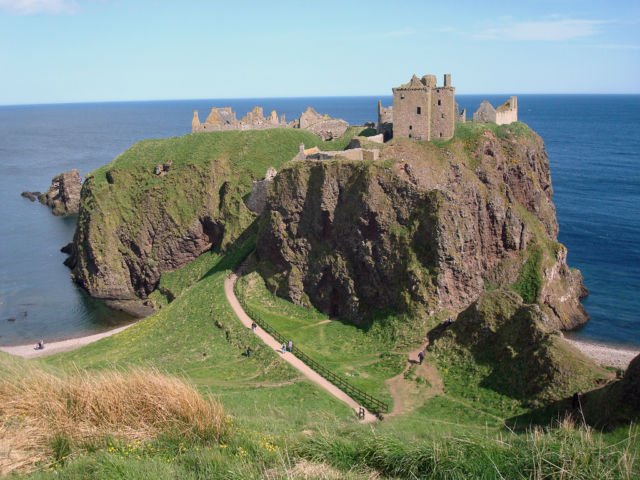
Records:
x=593, y=142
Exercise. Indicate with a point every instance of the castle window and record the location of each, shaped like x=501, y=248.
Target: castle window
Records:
x=419, y=110
x=439, y=102
x=409, y=135
x=440, y=134
x=410, y=127
x=402, y=97
x=443, y=115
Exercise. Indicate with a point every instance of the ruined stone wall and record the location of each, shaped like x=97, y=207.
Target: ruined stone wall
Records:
x=411, y=113
x=507, y=112
x=385, y=121
x=443, y=113
x=424, y=111
x=485, y=113
x=221, y=119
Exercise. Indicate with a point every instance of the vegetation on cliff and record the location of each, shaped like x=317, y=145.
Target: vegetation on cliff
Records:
x=395, y=245
x=426, y=229
x=134, y=224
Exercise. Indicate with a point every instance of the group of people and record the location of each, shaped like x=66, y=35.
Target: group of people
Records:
x=287, y=347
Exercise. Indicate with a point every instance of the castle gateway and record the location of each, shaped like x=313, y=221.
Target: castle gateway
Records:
x=424, y=111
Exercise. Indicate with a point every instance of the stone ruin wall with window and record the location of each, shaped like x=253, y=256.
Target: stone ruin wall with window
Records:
x=424, y=111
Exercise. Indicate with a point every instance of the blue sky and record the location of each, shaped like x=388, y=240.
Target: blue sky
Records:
x=103, y=50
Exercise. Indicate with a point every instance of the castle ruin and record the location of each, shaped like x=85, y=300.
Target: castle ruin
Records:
x=224, y=118
x=503, y=115
x=423, y=110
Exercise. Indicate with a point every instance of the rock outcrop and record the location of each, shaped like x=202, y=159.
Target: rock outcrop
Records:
x=527, y=357
x=429, y=228
x=258, y=198
x=63, y=196
x=32, y=196
x=631, y=385
x=134, y=225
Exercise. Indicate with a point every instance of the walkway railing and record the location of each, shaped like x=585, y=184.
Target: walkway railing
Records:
x=369, y=402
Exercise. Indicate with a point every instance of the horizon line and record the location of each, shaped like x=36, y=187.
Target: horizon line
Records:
x=85, y=102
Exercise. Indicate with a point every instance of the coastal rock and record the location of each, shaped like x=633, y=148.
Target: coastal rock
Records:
x=63, y=196
x=133, y=226
x=631, y=385
x=33, y=196
x=528, y=358
x=426, y=231
x=258, y=198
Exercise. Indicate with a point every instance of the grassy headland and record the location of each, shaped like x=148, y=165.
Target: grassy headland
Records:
x=276, y=424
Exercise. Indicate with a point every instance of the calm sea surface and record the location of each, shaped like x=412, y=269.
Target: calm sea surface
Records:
x=593, y=143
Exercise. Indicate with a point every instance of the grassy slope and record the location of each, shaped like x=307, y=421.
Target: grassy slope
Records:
x=365, y=359
x=266, y=395
x=183, y=339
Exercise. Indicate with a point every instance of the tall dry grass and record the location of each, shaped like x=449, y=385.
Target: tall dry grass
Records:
x=40, y=410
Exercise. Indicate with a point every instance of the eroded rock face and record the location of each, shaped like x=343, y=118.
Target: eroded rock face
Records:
x=631, y=385
x=431, y=229
x=63, y=196
x=527, y=357
x=126, y=267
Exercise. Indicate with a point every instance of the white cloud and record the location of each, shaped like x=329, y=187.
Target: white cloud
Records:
x=33, y=7
x=404, y=32
x=544, y=30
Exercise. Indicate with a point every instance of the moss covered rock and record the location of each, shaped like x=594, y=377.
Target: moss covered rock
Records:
x=527, y=357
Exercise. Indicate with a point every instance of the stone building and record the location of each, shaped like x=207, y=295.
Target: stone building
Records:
x=385, y=121
x=224, y=118
x=503, y=115
x=423, y=110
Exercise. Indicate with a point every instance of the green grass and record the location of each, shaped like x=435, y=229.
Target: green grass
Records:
x=363, y=358
x=529, y=281
x=563, y=452
x=198, y=336
x=459, y=434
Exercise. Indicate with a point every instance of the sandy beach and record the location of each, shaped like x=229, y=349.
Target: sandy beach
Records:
x=606, y=355
x=28, y=351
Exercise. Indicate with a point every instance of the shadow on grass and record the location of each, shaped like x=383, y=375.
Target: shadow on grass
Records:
x=237, y=251
x=602, y=408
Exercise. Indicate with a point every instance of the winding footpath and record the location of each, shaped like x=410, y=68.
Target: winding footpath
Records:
x=288, y=357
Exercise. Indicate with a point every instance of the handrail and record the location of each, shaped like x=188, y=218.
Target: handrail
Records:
x=366, y=400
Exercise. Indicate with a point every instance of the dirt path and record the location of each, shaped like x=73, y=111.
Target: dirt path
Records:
x=414, y=384
x=295, y=362
x=28, y=351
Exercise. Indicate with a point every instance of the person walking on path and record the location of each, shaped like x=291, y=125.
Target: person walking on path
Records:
x=290, y=346
x=254, y=325
x=421, y=357
x=283, y=348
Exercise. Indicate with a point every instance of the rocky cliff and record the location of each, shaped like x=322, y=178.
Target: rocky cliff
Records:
x=428, y=228
x=525, y=354
x=63, y=196
x=133, y=224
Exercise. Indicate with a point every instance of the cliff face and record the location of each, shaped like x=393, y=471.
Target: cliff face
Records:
x=430, y=227
x=133, y=225
x=527, y=357
x=63, y=196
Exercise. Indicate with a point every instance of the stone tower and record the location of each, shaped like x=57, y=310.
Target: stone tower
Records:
x=423, y=110
x=195, y=123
